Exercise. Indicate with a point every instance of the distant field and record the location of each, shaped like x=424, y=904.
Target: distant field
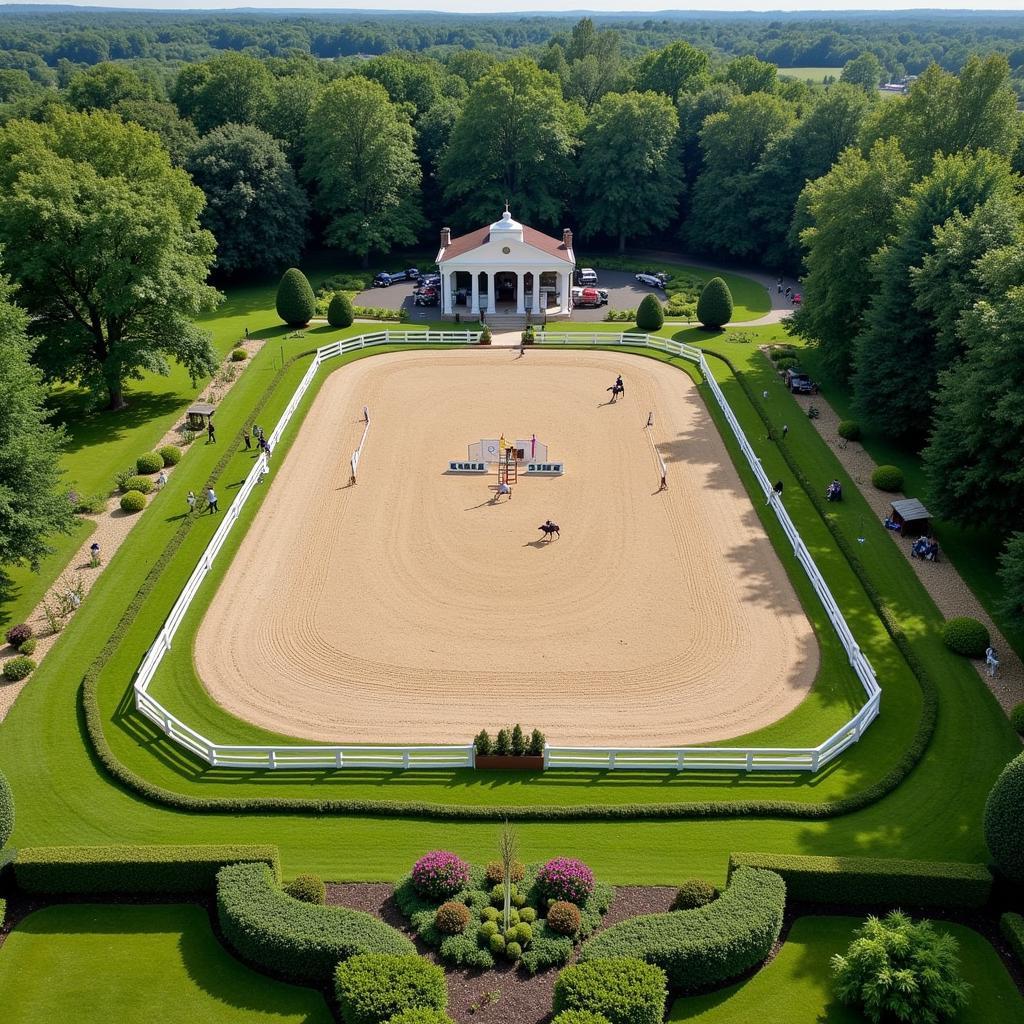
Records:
x=814, y=74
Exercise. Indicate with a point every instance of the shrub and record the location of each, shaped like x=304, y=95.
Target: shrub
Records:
x=6, y=811
x=496, y=943
x=421, y=1015
x=564, y=918
x=133, y=501
x=482, y=742
x=307, y=889
x=157, y=870
x=517, y=742
x=624, y=990
x=873, y=881
x=339, y=312
x=498, y=894
x=452, y=918
x=171, y=454
x=439, y=874
x=503, y=744
x=786, y=363
x=694, y=892
x=702, y=948
x=1011, y=576
x=1017, y=718
x=850, y=429
x=373, y=987
x=714, y=307
x=537, y=742
x=149, y=462
x=650, y=316
x=565, y=878
x=301, y=942
x=579, y=1017
x=513, y=950
x=524, y=933
x=1012, y=928
x=239, y=355
x=142, y=484
x=896, y=969
x=485, y=335
x=490, y=914
x=527, y=915
x=887, y=478
x=29, y=646
x=487, y=929
x=966, y=636
x=18, y=668
x=1004, y=811
x=495, y=873
x=18, y=634
x=89, y=504
x=296, y=302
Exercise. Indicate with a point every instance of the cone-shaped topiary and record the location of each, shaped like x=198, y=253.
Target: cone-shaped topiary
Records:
x=6, y=811
x=339, y=312
x=714, y=307
x=1004, y=811
x=296, y=302
x=650, y=314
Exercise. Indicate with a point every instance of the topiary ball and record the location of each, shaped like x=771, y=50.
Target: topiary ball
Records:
x=887, y=478
x=528, y=915
x=513, y=950
x=564, y=917
x=18, y=634
x=496, y=943
x=239, y=355
x=487, y=929
x=171, y=454
x=142, y=484
x=149, y=462
x=308, y=889
x=1004, y=812
x=16, y=669
x=714, y=307
x=524, y=933
x=451, y=918
x=650, y=314
x=133, y=501
x=966, y=636
x=489, y=914
x=372, y=987
x=850, y=429
x=1017, y=718
x=693, y=893
x=496, y=873
x=6, y=811
x=296, y=302
x=340, y=312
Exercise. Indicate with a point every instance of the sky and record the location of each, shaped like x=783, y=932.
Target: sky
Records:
x=552, y=6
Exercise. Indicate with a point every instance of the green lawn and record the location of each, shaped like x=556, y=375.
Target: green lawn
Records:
x=98, y=963
x=810, y=74
x=796, y=986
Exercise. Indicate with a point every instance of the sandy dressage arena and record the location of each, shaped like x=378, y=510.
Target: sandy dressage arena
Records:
x=412, y=608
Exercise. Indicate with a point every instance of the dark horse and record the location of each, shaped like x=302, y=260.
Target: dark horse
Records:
x=549, y=529
x=616, y=389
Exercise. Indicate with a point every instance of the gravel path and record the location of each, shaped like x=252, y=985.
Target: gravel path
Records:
x=941, y=580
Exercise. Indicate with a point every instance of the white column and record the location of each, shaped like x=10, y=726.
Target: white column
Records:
x=474, y=302
x=563, y=291
x=492, y=298
x=536, y=291
x=448, y=295
x=520, y=292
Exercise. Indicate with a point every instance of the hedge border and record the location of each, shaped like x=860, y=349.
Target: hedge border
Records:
x=1011, y=927
x=680, y=810
x=872, y=881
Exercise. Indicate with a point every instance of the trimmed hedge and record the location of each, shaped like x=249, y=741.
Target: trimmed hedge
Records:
x=171, y=454
x=300, y=942
x=340, y=312
x=149, y=462
x=966, y=636
x=1012, y=928
x=373, y=987
x=650, y=314
x=873, y=881
x=693, y=893
x=307, y=889
x=1004, y=812
x=1017, y=718
x=239, y=355
x=580, y=1017
x=622, y=989
x=133, y=501
x=96, y=870
x=295, y=302
x=715, y=305
x=705, y=947
x=142, y=484
x=18, y=668
x=887, y=478
x=421, y=1015
x=849, y=429
x=6, y=810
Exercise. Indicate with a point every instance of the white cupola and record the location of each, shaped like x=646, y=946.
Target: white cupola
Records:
x=507, y=228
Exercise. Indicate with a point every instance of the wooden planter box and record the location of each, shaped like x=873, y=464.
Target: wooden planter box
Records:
x=506, y=762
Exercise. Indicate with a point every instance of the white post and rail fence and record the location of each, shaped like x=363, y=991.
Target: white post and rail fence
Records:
x=282, y=756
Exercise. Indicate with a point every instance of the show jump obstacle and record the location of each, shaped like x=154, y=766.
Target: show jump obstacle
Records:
x=530, y=456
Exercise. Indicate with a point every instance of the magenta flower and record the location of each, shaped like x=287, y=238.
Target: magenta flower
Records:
x=565, y=878
x=439, y=874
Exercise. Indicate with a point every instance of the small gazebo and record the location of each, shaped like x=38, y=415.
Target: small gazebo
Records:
x=198, y=415
x=911, y=517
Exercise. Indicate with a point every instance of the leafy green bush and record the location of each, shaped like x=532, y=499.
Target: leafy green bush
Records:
x=496, y=944
x=296, y=302
x=1012, y=928
x=149, y=462
x=966, y=636
x=307, y=888
x=483, y=742
x=157, y=870
x=564, y=917
x=579, y=1017
x=887, y=478
x=649, y=314
x=503, y=743
x=339, y=312
x=694, y=892
x=1004, y=812
x=18, y=668
x=487, y=929
x=623, y=989
x=6, y=811
x=785, y=364
x=142, y=484
x=421, y=1015
x=850, y=429
x=239, y=355
x=171, y=454
x=537, y=742
x=513, y=950
x=495, y=873
x=373, y=987
x=1011, y=576
x=873, y=881
x=715, y=305
x=528, y=915
x=18, y=634
x=133, y=501
x=89, y=504
x=452, y=918
x=300, y=942
x=29, y=646
x=1017, y=718
x=705, y=947
x=517, y=742
x=896, y=969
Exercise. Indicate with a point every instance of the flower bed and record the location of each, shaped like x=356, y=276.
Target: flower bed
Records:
x=529, y=940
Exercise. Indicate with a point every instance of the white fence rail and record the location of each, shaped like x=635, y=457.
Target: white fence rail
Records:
x=788, y=759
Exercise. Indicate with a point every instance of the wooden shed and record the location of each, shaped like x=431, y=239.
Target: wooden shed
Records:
x=198, y=414
x=911, y=517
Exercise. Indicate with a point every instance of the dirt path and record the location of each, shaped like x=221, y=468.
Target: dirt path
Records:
x=414, y=608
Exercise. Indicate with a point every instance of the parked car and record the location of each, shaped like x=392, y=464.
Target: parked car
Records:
x=428, y=281
x=801, y=384
x=589, y=297
x=797, y=299
x=586, y=277
x=652, y=278
x=427, y=297
x=384, y=280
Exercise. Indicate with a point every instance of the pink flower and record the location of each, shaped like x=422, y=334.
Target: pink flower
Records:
x=439, y=874
x=565, y=878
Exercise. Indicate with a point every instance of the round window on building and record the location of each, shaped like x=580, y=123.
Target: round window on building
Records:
x=506, y=250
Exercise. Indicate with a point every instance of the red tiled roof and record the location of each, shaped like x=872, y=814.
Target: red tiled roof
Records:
x=474, y=239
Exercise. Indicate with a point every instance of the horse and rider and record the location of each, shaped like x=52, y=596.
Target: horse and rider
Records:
x=618, y=388
x=549, y=529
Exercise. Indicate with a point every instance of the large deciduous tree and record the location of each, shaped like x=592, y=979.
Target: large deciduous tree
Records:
x=865, y=71
x=31, y=505
x=678, y=68
x=232, y=87
x=103, y=86
x=102, y=235
x=514, y=141
x=254, y=207
x=630, y=173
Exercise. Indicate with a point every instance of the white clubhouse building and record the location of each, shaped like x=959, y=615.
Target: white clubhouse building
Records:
x=506, y=268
